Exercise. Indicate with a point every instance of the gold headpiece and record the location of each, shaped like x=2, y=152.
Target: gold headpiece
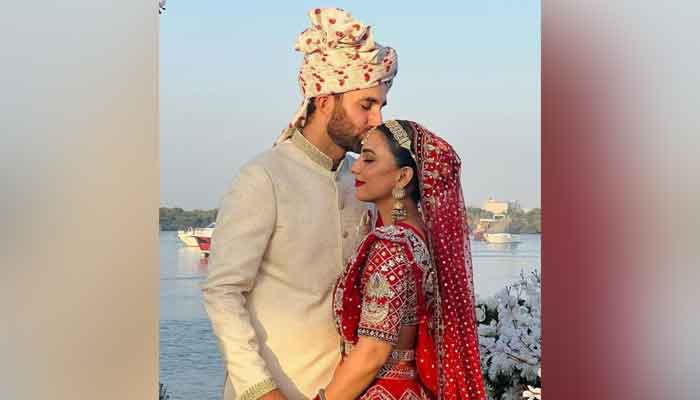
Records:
x=400, y=135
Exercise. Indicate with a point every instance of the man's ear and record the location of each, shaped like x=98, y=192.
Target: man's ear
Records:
x=325, y=104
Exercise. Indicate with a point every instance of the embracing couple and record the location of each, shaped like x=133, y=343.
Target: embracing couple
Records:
x=336, y=277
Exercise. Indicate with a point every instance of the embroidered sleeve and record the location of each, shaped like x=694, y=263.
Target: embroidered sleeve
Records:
x=385, y=294
x=258, y=390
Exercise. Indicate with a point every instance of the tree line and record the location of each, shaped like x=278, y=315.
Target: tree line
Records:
x=174, y=219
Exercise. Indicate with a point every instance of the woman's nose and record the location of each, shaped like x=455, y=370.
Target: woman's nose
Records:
x=355, y=167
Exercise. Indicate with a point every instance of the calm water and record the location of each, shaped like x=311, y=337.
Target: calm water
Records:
x=190, y=363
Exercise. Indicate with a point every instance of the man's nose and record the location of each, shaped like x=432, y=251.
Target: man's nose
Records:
x=376, y=117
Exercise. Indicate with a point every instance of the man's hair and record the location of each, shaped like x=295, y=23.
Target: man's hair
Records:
x=311, y=108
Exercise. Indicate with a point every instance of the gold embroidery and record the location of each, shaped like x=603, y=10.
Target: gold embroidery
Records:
x=377, y=393
x=258, y=390
x=377, y=286
x=395, y=355
x=397, y=370
x=374, y=310
x=311, y=151
x=409, y=395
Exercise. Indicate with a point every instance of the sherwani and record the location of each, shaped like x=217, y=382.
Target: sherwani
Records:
x=284, y=233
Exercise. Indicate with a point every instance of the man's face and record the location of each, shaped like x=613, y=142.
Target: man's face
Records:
x=355, y=113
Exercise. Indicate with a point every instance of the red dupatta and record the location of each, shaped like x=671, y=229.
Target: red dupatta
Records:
x=451, y=364
x=445, y=215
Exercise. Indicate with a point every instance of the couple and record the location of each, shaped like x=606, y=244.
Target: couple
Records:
x=338, y=278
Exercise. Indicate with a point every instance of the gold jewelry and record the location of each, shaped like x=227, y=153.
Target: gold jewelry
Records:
x=398, y=212
x=400, y=135
x=366, y=135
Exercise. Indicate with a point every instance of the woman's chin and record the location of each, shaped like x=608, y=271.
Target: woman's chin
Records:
x=362, y=196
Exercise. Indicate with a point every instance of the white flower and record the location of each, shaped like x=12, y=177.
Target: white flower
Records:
x=487, y=331
x=513, y=393
x=511, y=342
x=480, y=314
x=491, y=303
x=529, y=373
x=532, y=393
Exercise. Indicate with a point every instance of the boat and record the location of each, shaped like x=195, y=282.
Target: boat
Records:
x=496, y=230
x=481, y=228
x=187, y=238
x=485, y=225
x=203, y=236
x=501, y=238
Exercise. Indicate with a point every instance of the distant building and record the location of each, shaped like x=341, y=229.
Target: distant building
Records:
x=500, y=207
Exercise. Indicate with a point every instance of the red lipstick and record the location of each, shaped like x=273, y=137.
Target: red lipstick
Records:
x=358, y=183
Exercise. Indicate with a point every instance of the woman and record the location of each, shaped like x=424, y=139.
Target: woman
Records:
x=404, y=306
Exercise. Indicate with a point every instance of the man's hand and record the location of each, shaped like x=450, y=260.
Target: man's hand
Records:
x=273, y=395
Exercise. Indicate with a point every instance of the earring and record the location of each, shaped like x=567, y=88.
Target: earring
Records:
x=398, y=212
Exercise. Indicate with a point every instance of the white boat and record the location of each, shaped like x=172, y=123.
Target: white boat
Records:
x=187, y=237
x=203, y=237
x=501, y=238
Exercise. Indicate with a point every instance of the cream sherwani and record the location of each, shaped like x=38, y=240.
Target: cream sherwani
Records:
x=284, y=233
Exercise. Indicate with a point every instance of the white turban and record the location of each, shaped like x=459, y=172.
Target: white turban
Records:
x=340, y=55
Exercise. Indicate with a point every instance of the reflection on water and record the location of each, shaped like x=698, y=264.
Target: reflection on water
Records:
x=496, y=265
x=190, y=362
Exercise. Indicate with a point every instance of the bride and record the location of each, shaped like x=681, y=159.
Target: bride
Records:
x=404, y=305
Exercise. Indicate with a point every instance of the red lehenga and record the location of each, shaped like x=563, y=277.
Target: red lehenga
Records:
x=389, y=283
x=398, y=278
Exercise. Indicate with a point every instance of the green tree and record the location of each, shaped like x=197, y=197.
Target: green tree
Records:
x=172, y=219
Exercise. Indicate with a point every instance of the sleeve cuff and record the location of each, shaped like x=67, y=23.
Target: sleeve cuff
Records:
x=392, y=339
x=258, y=390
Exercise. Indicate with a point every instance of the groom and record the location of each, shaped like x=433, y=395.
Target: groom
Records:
x=290, y=220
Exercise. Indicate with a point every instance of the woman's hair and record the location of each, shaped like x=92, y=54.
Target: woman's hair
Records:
x=403, y=157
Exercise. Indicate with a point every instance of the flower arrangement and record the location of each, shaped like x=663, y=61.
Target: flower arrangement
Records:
x=163, y=392
x=533, y=393
x=510, y=339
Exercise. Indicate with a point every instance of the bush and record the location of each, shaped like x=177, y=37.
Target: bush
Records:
x=510, y=338
x=162, y=392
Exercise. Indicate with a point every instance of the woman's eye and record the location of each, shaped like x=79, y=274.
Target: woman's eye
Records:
x=366, y=108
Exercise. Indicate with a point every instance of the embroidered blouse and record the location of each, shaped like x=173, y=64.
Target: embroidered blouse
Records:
x=387, y=284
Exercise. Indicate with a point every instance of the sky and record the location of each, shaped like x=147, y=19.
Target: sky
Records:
x=468, y=71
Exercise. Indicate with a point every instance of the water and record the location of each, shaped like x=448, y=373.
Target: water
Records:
x=496, y=265
x=190, y=363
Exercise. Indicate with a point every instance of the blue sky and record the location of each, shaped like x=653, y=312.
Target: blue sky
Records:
x=469, y=71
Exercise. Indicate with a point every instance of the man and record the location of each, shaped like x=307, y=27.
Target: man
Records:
x=290, y=221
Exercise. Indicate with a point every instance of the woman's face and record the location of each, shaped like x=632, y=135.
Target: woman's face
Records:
x=376, y=172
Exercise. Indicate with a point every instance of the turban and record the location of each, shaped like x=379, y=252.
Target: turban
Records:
x=340, y=55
